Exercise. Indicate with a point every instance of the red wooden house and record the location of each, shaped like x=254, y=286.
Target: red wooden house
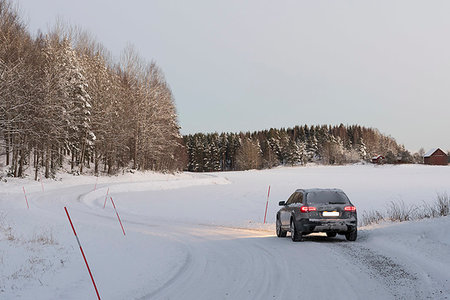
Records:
x=435, y=157
x=379, y=159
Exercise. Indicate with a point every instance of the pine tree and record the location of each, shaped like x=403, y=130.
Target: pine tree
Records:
x=362, y=150
x=312, y=149
x=295, y=153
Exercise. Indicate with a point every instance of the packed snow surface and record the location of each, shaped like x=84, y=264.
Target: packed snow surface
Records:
x=201, y=236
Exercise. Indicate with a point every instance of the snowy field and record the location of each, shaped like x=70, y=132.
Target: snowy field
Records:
x=200, y=236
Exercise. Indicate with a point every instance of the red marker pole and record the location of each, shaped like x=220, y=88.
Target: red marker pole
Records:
x=23, y=188
x=106, y=198
x=95, y=186
x=82, y=252
x=42, y=184
x=117, y=215
x=267, y=204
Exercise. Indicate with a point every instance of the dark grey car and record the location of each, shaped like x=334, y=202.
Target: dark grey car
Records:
x=317, y=210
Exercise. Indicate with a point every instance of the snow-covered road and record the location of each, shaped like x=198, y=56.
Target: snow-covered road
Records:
x=225, y=263
x=200, y=237
x=238, y=263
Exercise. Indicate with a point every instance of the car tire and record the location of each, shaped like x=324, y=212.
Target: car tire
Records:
x=295, y=235
x=280, y=231
x=331, y=234
x=352, y=235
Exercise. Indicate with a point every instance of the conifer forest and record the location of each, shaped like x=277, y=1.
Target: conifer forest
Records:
x=292, y=146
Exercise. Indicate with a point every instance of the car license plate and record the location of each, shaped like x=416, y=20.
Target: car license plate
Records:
x=330, y=214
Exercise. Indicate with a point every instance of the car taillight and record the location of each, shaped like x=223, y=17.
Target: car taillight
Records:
x=350, y=208
x=305, y=209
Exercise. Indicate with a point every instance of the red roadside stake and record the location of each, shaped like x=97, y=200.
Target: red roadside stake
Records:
x=42, y=184
x=23, y=188
x=267, y=203
x=95, y=186
x=82, y=252
x=106, y=198
x=117, y=215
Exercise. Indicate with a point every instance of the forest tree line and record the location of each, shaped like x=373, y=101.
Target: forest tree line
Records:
x=299, y=145
x=63, y=98
x=64, y=101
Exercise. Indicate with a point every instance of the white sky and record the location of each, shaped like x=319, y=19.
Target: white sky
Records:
x=249, y=65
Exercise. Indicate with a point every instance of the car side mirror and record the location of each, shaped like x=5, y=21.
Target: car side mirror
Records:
x=282, y=203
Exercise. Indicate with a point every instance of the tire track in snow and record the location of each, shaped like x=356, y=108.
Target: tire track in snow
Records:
x=223, y=265
x=183, y=269
x=237, y=264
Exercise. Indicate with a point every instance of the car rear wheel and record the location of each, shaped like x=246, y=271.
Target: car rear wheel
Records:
x=351, y=236
x=295, y=235
x=331, y=234
x=280, y=231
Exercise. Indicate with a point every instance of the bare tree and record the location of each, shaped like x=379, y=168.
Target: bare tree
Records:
x=62, y=95
x=249, y=155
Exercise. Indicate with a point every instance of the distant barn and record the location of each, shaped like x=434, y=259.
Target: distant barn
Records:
x=435, y=157
x=379, y=159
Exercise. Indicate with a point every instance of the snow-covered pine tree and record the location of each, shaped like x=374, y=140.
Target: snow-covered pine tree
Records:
x=69, y=87
x=223, y=145
x=302, y=153
x=362, y=150
x=215, y=153
x=312, y=149
x=292, y=153
x=274, y=144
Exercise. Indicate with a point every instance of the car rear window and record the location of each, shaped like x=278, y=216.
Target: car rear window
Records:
x=327, y=197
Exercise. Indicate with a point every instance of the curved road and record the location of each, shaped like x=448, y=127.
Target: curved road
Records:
x=237, y=263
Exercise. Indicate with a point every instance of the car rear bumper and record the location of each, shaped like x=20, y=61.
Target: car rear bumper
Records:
x=326, y=225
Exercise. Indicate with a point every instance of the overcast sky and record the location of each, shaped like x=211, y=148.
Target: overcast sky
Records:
x=249, y=65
